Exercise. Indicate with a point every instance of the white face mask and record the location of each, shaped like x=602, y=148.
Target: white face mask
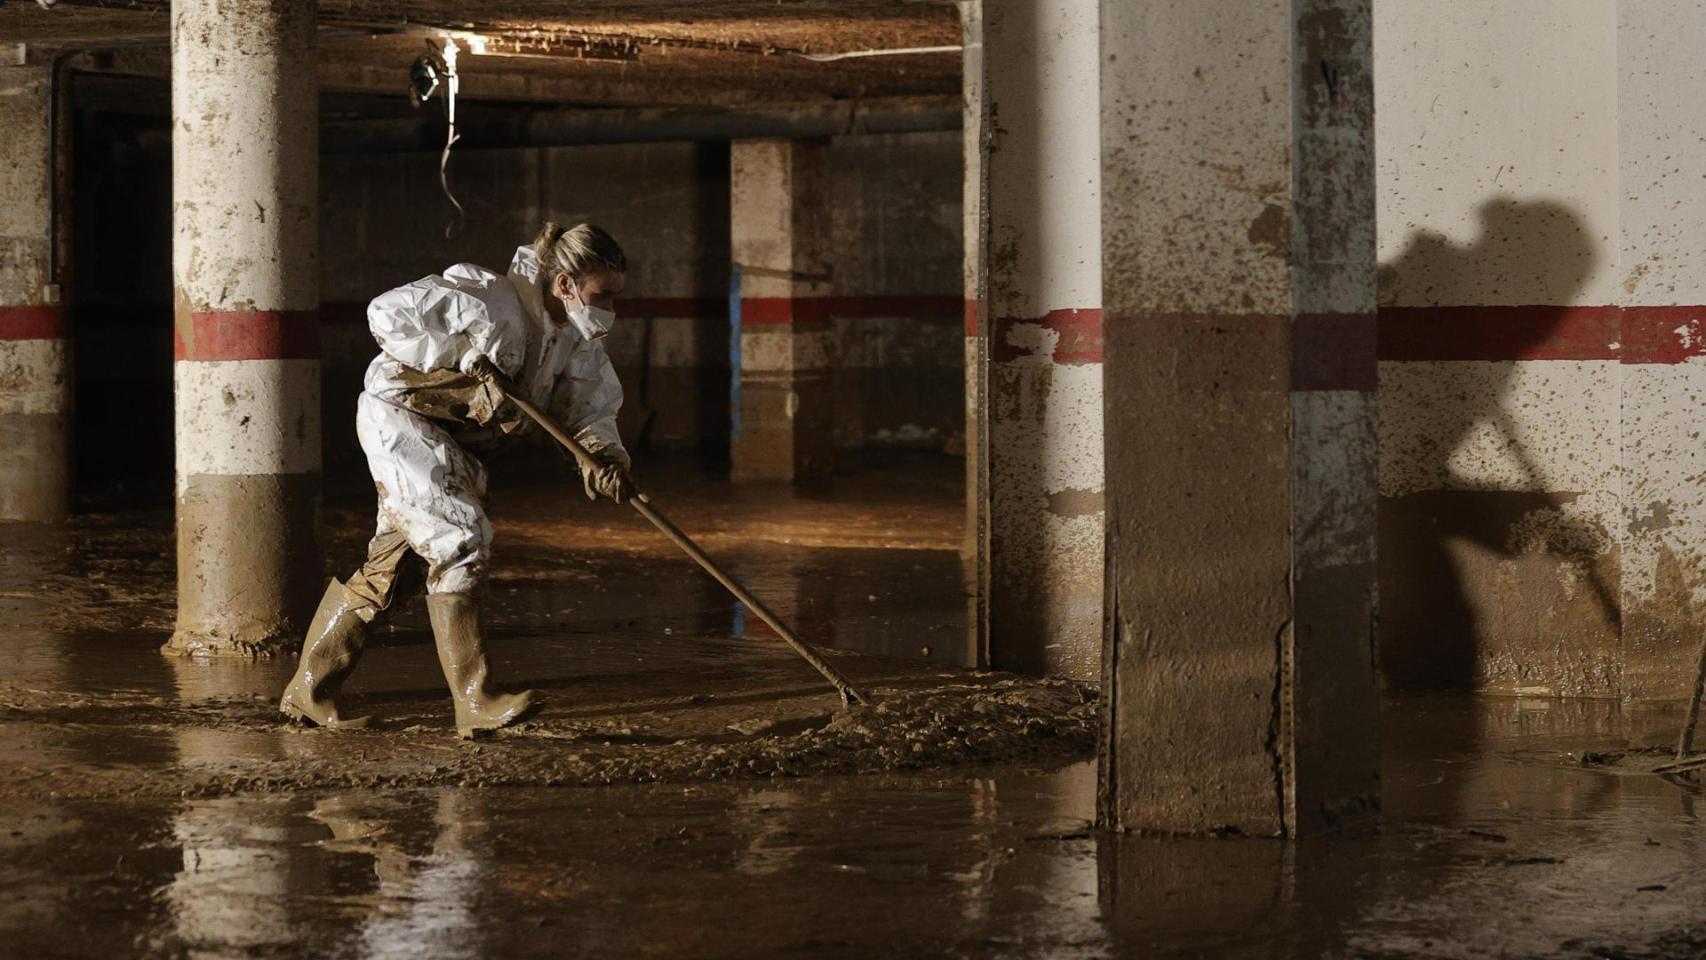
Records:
x=592, y=322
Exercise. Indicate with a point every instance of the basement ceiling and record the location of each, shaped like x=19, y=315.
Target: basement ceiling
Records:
x=597, y=53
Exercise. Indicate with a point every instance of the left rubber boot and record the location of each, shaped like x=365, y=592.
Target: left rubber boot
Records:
x=330, y=651
x=462, y=653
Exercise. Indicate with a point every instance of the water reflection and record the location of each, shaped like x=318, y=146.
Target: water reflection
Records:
x=770, y=845
x=241, y=869
x=431, y=905
x=1493, y=841
x=1043, y=890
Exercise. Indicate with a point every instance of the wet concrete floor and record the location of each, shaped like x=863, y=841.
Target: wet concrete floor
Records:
x=691, y=790
x=1496, y=845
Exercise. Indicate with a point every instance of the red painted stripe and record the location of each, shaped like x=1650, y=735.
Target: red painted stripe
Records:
x=971, y=317
x=1659, y=335
x=919, y=307
x=784, y=311
x=1663, y=334
x=690, y=307
x=760, y=311
x=1499, y=333
x=1264, y=352
x=1334, y=351
x=34, y=323
x=248, y=335
x=344, y=312
x=1079, y=340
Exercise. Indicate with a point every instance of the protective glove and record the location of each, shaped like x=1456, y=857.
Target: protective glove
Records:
x=490, y=400
x=609, y=480
x=484, y=370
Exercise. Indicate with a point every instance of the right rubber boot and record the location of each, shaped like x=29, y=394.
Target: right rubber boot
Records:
x=462, y=653
x=329, y=652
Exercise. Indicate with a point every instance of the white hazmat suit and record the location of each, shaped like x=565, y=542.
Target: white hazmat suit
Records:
x=421, y=412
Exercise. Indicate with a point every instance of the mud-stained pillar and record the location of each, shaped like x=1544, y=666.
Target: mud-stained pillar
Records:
x=779, y=216
x=1239, y=257
x=974, y=552
x=246, y=270
x=35, y=364
x=1662, y=225
x=1034, y=350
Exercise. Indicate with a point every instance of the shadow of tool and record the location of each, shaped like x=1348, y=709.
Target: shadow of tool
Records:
x=1530, y=261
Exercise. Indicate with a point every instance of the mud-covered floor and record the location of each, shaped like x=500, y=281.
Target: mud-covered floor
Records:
x=649, y=671
x=690, y=789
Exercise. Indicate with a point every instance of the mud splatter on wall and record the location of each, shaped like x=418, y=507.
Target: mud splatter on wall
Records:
x=1541, y=516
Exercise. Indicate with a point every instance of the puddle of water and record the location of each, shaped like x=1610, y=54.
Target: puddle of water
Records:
x=1494, y=844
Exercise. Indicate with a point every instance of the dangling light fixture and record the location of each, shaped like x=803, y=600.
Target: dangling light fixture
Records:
x=431, y=69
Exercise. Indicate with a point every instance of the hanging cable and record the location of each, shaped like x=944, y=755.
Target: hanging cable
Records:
x=434, y=68
x=860, y=54
x=453, y=82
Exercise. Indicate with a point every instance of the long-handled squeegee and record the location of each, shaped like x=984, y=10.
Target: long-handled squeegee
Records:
x=643, y=504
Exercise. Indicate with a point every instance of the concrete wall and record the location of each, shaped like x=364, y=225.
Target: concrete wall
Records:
x=896, y=307
x=1661, y=107
x=1539, y=233
x=895, y=301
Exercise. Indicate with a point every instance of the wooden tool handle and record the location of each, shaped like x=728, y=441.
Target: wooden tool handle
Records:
x=642, y=503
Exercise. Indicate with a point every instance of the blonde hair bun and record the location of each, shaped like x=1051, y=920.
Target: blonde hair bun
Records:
x=580, y=250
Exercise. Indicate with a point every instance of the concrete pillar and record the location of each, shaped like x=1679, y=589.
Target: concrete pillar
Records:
x=1238, y=251
x=246, y=271
x=780, y=236
x=1035, y=332
x=35, y=354
x=974, y=552
x=1661, y=224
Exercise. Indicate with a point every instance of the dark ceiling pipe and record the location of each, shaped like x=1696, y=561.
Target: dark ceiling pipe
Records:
x=556, y=127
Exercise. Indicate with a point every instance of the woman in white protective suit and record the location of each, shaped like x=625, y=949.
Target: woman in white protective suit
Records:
x=428, y=400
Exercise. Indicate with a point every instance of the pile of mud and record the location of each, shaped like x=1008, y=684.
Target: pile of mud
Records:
x=245, y=748
x=1009, y=721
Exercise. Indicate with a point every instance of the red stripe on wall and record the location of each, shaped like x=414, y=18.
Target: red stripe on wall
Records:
x=784, y=311
x=1079, y=337
x=1334, y=351
x=248, y=335
x=760, y=311
x=923, y=308
x=690, y=307
x=344, y=312
x=1499, y=333
x=34, y=323
x=1663, y=334
x=971, y=317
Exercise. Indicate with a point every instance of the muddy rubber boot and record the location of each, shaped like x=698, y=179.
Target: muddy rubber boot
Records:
x=462, y=653
x=330, y=651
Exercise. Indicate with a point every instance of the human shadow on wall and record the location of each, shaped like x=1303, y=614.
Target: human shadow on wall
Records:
x=1455, y=469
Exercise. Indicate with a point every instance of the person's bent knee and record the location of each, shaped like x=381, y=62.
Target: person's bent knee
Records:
x=464, y=575
x=377, y=581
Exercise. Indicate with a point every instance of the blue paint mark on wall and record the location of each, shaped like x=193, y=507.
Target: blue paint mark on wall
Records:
x=734, y=352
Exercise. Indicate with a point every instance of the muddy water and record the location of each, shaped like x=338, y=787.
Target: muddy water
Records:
x=1496, y=844
x=692, y=790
